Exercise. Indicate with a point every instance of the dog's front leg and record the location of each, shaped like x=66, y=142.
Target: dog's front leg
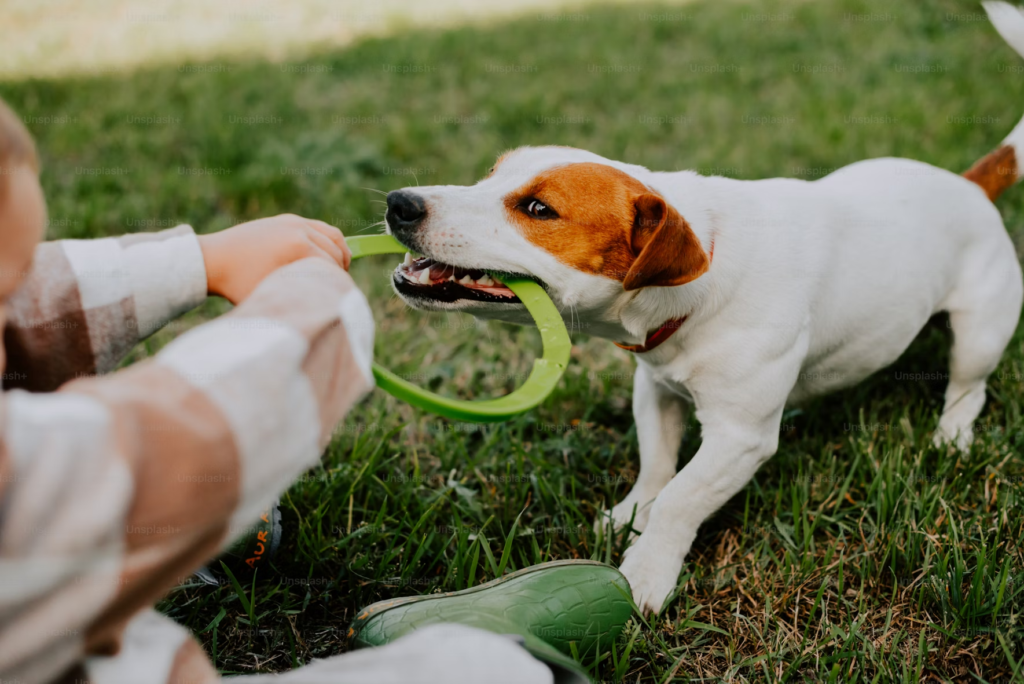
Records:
x=728, y=457
x=660, y=415
x=740, y=417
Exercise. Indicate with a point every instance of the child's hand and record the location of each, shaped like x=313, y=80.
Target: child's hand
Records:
x=238, y=258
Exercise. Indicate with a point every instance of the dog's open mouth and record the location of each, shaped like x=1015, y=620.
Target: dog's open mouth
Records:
x=431, y=279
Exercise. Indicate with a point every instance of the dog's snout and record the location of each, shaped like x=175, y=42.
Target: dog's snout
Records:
x=406, y=210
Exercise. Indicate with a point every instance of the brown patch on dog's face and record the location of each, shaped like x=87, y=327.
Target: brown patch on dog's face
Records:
x=603, y=221
x=994, y=172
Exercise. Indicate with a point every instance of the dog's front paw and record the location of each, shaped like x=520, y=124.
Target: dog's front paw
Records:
x=961, y=438
x=652, y=573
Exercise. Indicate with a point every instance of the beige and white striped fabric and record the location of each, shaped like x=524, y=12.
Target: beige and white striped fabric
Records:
x=85, y=303
x=114, y=488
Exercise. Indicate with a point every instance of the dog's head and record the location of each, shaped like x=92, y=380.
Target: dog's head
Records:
x=586, y=228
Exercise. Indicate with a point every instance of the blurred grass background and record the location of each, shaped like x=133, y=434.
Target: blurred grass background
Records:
x=860, y=552
x=64, y=37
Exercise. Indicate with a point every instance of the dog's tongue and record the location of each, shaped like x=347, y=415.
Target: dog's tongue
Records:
x=427, y=271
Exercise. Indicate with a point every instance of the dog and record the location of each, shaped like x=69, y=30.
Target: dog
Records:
x=737, y=298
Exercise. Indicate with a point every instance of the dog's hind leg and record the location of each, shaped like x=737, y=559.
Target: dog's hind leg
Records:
x=983, y=314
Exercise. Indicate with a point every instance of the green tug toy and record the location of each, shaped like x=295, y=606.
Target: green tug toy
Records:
x=546, y=373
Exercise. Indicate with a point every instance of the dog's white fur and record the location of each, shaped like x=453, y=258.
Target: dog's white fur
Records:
x=813, y=287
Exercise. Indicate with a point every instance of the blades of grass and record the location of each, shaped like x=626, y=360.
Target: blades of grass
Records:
x=436, y=559
x=608, y=530
x=840, y=574
x=976, y=591
x=383, y=485
x=922, y=648
x=680, y=583
x=704, y=627
x=215, y=621
x=486, y=546
x=1002, y=589
x=473, y=563
x=291, y=648
x=538, y=555
x=640, y=616
x=420, y=550
x=457, y=567
x=1009, y=657
x=343, y=542
x=597, y=658
x=239, y=591
x=507, y=551
x=441, y=499
x=814, y=609
x=252, y=600
x=381, y=443
x=622, y=663
x=675, y=667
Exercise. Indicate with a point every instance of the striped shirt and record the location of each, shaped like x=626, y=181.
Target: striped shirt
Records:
x=113, y=488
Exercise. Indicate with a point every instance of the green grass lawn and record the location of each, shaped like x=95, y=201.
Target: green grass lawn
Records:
x=859, y=553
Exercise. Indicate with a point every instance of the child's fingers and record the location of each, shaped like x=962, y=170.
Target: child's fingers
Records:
x=335, y=236
x=328, y=231
x=328, y=246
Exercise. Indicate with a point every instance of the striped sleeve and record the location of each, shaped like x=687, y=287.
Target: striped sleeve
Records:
x=86, y=303
x=116, y=488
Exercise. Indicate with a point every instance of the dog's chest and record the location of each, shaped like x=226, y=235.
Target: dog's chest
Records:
x=663, y=377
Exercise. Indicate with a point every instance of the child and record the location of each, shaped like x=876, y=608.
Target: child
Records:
x=113, y=488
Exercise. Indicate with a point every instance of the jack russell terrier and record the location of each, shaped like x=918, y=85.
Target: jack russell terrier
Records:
x=738, y=298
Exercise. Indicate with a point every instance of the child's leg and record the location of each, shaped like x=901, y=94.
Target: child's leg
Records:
x=154, y=650
x=441, y=653
x=158, y=651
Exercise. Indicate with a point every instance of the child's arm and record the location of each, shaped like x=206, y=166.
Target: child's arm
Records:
x=86, y=303
x=115, y=488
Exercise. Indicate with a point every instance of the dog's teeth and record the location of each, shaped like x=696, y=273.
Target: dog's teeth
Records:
x=408, y=259
x=451, y=278
x=424, y=278
x=466, y=280
x=486, y=281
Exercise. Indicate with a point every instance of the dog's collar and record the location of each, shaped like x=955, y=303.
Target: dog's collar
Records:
x=654, y=338
x=667, y=328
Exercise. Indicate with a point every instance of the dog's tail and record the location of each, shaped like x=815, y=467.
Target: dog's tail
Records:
x=1004, y=166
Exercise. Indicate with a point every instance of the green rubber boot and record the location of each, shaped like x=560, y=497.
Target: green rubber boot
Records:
x=547, y=607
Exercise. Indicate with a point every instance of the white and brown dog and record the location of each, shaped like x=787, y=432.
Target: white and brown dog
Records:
x=738, y=298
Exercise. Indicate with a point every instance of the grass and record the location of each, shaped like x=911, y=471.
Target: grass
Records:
x=858, y=553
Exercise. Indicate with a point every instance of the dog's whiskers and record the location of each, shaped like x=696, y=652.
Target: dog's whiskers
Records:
x=372, y=225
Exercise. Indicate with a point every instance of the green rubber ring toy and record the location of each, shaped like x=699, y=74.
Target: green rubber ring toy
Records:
x=545, y=374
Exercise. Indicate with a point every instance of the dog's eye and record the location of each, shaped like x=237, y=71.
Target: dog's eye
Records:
x=538, y=209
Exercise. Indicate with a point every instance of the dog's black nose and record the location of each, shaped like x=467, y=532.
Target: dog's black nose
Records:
x=405, y=211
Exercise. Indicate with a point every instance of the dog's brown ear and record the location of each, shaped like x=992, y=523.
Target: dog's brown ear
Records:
x=666, y=248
